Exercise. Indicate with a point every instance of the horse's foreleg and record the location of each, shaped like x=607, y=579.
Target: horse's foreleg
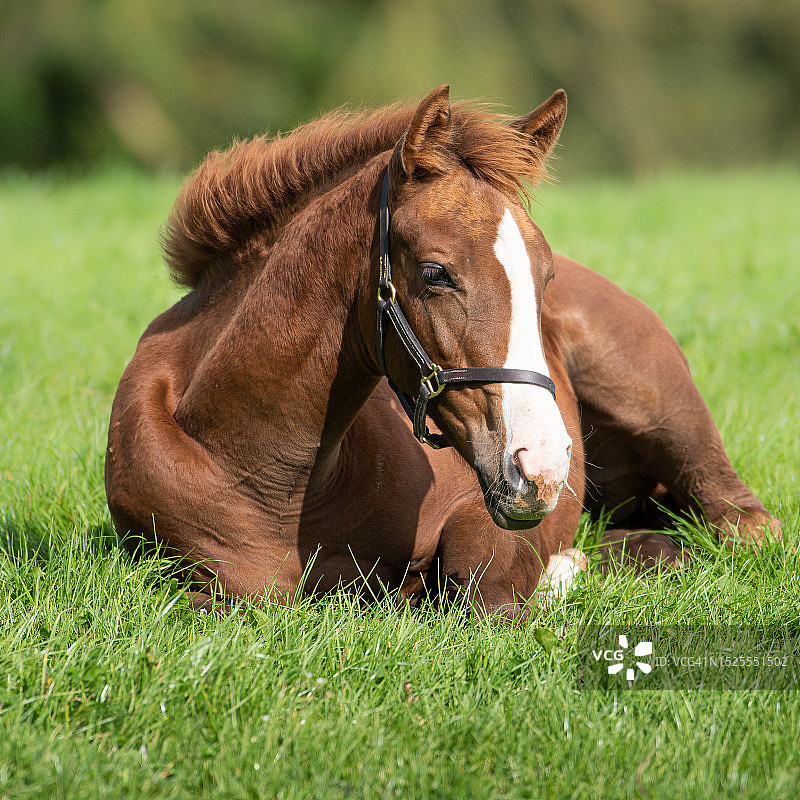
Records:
x=640, y=550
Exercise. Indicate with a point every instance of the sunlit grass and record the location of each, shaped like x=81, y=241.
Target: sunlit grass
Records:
x=110, y=686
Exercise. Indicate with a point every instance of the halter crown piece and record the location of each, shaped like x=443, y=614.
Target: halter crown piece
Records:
x=433, y=378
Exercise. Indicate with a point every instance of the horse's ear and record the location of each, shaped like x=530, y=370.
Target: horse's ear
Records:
x=425, y=144
x=544, y=124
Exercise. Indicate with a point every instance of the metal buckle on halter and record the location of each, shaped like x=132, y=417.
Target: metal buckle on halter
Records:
x=390, y=286
x=426, y=382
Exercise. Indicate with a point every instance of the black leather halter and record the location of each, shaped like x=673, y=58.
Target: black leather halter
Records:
x=434, y=379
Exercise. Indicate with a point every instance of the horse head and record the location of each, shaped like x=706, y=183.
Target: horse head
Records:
x=469, y=271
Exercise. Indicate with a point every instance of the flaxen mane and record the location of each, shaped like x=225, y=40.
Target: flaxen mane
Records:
x=249, y=191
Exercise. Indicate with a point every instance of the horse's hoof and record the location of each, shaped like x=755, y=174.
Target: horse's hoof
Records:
x=560, y=574
x=749, y=528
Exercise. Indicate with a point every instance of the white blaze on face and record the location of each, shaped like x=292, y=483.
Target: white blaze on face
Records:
x=537, y=443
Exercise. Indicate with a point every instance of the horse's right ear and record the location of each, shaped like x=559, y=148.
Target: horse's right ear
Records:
x=424, y=147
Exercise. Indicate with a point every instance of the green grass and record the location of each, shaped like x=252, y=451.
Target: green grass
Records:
x=110, y=687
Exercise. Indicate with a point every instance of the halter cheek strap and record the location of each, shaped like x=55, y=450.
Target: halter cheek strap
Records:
x=433, y=378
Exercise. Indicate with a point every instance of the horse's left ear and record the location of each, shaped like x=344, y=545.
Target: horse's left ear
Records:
x=424, y=146
x=544, y=124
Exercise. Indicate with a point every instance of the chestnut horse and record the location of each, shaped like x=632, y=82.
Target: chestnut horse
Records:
x=254, y=435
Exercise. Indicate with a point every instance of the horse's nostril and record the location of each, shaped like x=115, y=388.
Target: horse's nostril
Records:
x=528, y=465
x=530, y=481
x=535, y=479
x=519, y=460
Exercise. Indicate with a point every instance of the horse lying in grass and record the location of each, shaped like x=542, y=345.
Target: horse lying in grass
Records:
x=254, y=433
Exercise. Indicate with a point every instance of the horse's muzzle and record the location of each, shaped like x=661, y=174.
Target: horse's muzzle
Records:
x=508, y=509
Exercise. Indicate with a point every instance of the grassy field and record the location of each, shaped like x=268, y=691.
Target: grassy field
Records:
x=110, y=687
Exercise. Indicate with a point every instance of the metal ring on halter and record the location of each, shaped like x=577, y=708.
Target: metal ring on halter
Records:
x=390, y=286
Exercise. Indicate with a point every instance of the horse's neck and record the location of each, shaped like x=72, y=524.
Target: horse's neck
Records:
x=278, y=390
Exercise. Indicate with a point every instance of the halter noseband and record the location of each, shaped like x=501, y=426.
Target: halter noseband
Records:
x=434, y=379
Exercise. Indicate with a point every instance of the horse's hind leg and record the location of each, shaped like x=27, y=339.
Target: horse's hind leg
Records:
x=648, y=431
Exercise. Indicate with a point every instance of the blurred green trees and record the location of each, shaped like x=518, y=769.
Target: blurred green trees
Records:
x=651, y=83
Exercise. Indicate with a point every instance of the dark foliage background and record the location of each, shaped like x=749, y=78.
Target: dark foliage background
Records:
x=652, y=83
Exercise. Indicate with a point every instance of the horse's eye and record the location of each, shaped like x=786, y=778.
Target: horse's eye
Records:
x=435, y=275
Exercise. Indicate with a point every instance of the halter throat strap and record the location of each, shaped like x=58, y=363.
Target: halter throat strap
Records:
x=433, y=379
